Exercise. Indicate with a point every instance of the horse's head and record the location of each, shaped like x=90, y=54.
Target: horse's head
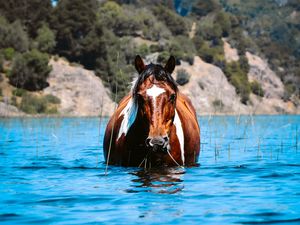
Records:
x=155, y=93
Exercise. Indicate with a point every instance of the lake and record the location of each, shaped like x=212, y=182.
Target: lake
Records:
x=52, y=171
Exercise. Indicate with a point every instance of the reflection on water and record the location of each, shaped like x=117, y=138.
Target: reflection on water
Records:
x=52, y=171
x=158, y=180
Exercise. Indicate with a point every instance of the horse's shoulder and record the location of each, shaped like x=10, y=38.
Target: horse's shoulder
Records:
x=115, y=118
x=185, y=105
x=187, y=113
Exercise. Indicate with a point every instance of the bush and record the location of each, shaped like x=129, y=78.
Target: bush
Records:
x=18, y=92
x=13, y=36
x=52, y=99
x=218, y=104
x=256, y=88
x=142, y=50
x=289, y=89
x=239, y=79
x=163, y=57
x=183, y=48
x=211, y=54
x=30, y=71
x=176, y=23
x=13, y=101
x=9, y=53
x=182, y=77
x=45, y=39
x=33, y=104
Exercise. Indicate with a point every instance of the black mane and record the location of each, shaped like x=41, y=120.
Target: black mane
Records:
x=159, y=74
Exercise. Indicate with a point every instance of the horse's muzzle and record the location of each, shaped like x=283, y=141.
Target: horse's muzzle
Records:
x=158, y=143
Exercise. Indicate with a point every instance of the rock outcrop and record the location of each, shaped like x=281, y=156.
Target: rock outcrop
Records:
x=7, y=110
x=231, y=54
x=81, y=92
x=210, y=91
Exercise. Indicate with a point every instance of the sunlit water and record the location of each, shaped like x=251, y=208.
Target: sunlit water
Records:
x=52, y=171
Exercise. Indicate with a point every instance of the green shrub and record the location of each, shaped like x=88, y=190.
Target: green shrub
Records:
x=13, y=101
x=19, y=92
x=176, y=23
x=211, y=54
x=289, y=89
x=34, y=105
x=55, y=58
x=51, y=110
x=218, y=104
x=45, y=39
x=256, y=88
x=239, y=79
x=52, y=99
x=155, y=48
x=142, y=50
x=242, y=87
x=13, y=35
x=182, y=77
x=30, y=71
x=9, y=53
x=163, y=57
x=182, y=48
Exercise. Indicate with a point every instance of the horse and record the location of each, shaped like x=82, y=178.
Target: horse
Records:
x=155, y=125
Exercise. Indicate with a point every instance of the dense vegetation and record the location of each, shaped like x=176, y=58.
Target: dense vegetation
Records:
x=106, y=35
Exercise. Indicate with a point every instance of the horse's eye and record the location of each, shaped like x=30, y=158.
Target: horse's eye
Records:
x=172, y=97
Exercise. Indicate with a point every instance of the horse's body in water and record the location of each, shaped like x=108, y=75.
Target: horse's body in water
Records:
x=155, y=124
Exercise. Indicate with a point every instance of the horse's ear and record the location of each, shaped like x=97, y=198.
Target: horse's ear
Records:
x=139, y=64
x=170, y=66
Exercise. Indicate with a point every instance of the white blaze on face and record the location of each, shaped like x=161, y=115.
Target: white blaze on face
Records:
x=179, y=133
x=154, y=92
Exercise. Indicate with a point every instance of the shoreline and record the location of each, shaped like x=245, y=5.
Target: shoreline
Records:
x=28, y=116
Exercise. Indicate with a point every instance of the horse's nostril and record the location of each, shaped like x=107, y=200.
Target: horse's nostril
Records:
x=159, y=141
x=166, y=138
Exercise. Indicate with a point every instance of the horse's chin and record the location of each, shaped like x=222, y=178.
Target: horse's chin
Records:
x=159, y=149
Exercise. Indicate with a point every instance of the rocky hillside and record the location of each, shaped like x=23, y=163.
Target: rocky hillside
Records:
x=81, y=92
x=211, y=92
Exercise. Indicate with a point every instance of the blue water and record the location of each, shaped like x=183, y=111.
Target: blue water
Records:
x=52, y=171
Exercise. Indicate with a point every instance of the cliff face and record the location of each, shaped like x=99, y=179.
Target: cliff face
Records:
x=81, y=92
x=209, y=89
x=211, y=92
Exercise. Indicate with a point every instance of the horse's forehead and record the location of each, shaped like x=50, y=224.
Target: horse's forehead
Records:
x=155, y=91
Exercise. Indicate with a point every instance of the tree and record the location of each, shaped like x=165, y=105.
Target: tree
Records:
x=202, y=8
x=30, y=71
x=176, y=24
x=45, y=40
x=31, y=13
x=73, y=20
x=13, y=35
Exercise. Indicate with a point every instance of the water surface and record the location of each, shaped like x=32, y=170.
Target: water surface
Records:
x=52, y=171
